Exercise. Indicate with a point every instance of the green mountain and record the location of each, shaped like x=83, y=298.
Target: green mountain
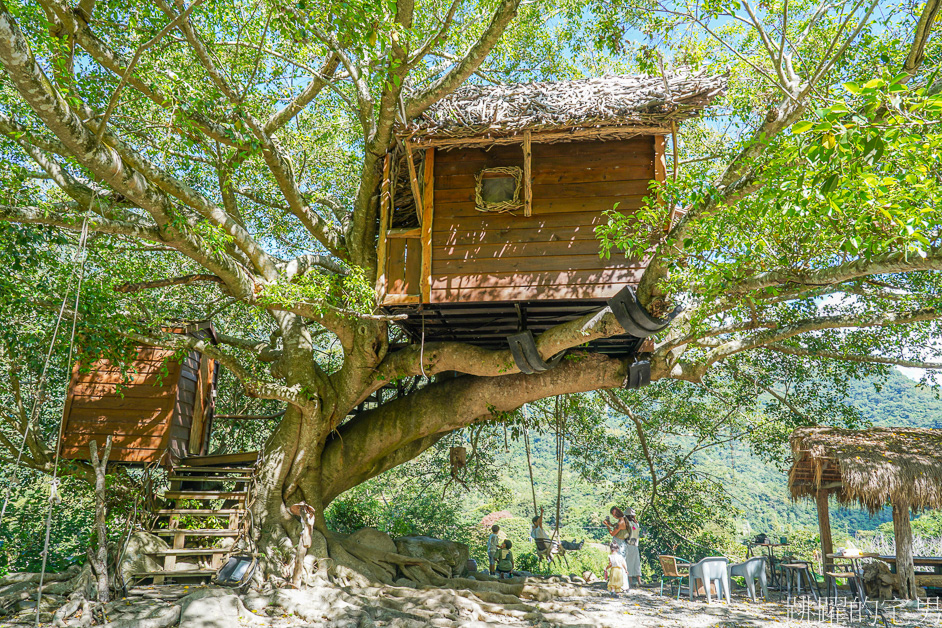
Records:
x=757, y=488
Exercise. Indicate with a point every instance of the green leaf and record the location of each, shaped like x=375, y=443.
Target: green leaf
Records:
x=852, y=87
x=801, y=127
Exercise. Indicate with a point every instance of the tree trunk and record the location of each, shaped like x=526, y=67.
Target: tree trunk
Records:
x=904, y=550
x=824, y=527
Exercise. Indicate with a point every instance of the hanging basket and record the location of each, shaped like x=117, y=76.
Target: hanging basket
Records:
x=458, y=457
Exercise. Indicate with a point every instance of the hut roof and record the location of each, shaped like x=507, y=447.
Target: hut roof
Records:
x=872, y=467
x=607, y=101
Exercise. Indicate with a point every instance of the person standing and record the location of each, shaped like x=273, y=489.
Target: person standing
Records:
x=626, y=531
x=616, y=570
x=632, y=553
x=493, y=545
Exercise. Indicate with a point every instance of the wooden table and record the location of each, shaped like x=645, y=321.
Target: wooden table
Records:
x=918, y=561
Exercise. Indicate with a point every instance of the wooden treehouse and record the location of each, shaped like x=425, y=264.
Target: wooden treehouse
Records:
x=158, y=411
x=490, y=205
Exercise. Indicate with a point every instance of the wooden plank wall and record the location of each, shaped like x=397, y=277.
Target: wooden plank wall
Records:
x=553, y=254
x=184, y=406
x=403, y=267
x=133, y=407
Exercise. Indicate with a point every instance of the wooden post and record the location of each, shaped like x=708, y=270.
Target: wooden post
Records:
x=383, y=228
x=527, y=175
x=660, y=173
x=824, y=527
x=99, y=560
x=414, y=180
x=905, y=571
x=428, y=208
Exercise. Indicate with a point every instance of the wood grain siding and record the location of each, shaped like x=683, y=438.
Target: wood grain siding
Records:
x=133, y=407
x=182, y=421
x=552, y=254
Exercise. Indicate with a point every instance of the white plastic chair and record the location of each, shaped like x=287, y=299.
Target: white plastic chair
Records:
x=708, y=570
x=752, y=570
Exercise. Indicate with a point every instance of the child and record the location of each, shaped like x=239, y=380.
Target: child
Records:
x=505, y=560
x=616, y=571
x=493, y=543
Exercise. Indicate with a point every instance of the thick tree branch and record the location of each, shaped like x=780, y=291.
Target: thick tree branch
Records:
x=444, y=406
x=309, y=93
x=472, y=60
x=184, y=280
x=103, y=160
x=818, y=324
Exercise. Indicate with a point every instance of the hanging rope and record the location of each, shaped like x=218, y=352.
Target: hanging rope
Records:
x=526, y=441
x=80, y=256
x=37, y=400
x=560, y=442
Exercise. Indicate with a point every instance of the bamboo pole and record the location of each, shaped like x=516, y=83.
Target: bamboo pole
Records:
x=383, y=228
x=527, y=175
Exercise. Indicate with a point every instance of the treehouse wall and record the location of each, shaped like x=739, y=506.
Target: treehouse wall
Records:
x=477, y=256
x=134, y=407
x=155, y=405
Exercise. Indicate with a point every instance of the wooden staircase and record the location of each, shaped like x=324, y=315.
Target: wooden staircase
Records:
x=212, y=492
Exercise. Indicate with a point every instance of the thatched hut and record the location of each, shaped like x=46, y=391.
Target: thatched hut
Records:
x=874, y=467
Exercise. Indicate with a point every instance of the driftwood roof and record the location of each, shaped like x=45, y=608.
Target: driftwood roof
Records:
x=871, y=467
x=619, y=101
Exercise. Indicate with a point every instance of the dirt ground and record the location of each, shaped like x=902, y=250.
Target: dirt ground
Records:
x=641, y=608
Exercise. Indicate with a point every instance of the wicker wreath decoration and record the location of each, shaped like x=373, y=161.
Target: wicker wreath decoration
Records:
x=502, y=206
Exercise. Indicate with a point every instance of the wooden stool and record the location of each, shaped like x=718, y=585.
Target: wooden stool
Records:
x=793, y=573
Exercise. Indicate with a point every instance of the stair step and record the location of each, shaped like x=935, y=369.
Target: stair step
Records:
x=199, y=512
x=171, y=573
x=202, y=532
x=198, y=469
x=246, y=457
x=189, y=552
x=204, y=495
x=210, y=478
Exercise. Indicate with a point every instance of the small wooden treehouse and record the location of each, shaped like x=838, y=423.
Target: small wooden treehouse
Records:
x=160, y=405
x=159, y=410
x=489, y=206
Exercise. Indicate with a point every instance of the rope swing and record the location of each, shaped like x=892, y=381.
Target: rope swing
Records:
x=81, y=255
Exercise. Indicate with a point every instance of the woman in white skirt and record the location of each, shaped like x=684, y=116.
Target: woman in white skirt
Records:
x=626, y=532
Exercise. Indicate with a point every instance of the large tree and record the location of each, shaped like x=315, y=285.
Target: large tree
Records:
x=226, y=158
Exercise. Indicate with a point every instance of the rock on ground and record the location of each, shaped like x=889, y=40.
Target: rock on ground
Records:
x=214, y=608
x=450, y=553
x=135, y=559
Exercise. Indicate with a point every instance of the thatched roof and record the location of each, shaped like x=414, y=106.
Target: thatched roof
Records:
x=607, y=101
x=871, y=467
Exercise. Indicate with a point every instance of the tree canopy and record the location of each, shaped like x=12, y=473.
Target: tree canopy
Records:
x=225, y=160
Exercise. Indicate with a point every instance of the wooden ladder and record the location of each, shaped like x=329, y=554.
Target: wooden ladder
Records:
x=212, y=490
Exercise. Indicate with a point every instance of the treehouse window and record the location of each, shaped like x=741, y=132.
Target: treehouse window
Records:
x=498, y=189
